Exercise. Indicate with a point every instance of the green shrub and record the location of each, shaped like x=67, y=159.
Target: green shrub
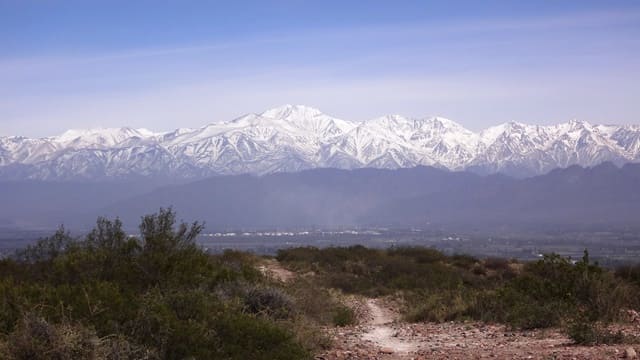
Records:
x=268, y=301
x=375, y=272
x=161, y=296
x=344, y=316
x=437, y=288
x=497, y=264
x=34, y=338
x=312, y=301
x=119, y=347
x=439, y=306
x=149, y=298
x=630, y=273
x=420, y=255
x=463, y=261
x=585, y=332
x=551, y=290
x=247, y=337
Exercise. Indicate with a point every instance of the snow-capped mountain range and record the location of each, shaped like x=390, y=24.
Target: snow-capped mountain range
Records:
x=293, y=137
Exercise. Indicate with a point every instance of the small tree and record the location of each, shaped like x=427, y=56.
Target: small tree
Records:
x=48, y=248
x=164, y=246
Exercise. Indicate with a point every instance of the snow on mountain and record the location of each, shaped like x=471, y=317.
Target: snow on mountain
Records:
x=294, y=137
x=311, y=120
x=100, y=138
x=628, y=138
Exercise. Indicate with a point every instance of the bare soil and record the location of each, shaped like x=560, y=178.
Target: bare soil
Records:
x=272, y=268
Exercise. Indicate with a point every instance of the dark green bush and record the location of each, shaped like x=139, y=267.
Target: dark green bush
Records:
x=446, y=305
x=585, y=332
x=248, y=337
x=630, y=273
x=344, y=316
x=314, y=302
x=268, y=301
x=552, y=290
x=375, y=272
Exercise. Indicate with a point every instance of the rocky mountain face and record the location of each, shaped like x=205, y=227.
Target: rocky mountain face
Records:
x=293, y=138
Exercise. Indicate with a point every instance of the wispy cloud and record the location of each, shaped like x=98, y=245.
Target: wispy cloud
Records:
x=479, y=72
x=395, y=31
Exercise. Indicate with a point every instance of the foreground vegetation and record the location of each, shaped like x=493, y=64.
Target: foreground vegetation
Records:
x=581, y=296
x=110, y=296
x=160, y=296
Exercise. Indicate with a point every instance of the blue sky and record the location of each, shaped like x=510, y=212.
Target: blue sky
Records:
x=168, y=64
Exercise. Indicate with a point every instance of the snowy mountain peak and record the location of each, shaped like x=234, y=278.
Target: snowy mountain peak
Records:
x=444, y=122
x=308, y=119
x=296, y=137
x=576, y=122
x=289, y=111
x=100, y=136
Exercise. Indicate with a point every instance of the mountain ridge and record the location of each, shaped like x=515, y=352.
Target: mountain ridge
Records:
x=295, y=137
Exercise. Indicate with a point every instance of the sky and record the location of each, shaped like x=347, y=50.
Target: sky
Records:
x=170, y=64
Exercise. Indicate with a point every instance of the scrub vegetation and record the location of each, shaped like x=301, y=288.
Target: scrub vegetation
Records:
x=157, y=296
x=160, y=296
x=580, y=296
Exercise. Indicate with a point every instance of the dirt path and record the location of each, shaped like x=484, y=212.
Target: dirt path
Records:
x=383, y=336
x=273, y=269
x=381, y=333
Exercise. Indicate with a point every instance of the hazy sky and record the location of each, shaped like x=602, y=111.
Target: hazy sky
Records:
x=168, y=64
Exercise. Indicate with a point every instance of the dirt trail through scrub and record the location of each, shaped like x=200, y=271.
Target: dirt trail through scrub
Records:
x=381, y=332
x=382, y=335
x=274, y=269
